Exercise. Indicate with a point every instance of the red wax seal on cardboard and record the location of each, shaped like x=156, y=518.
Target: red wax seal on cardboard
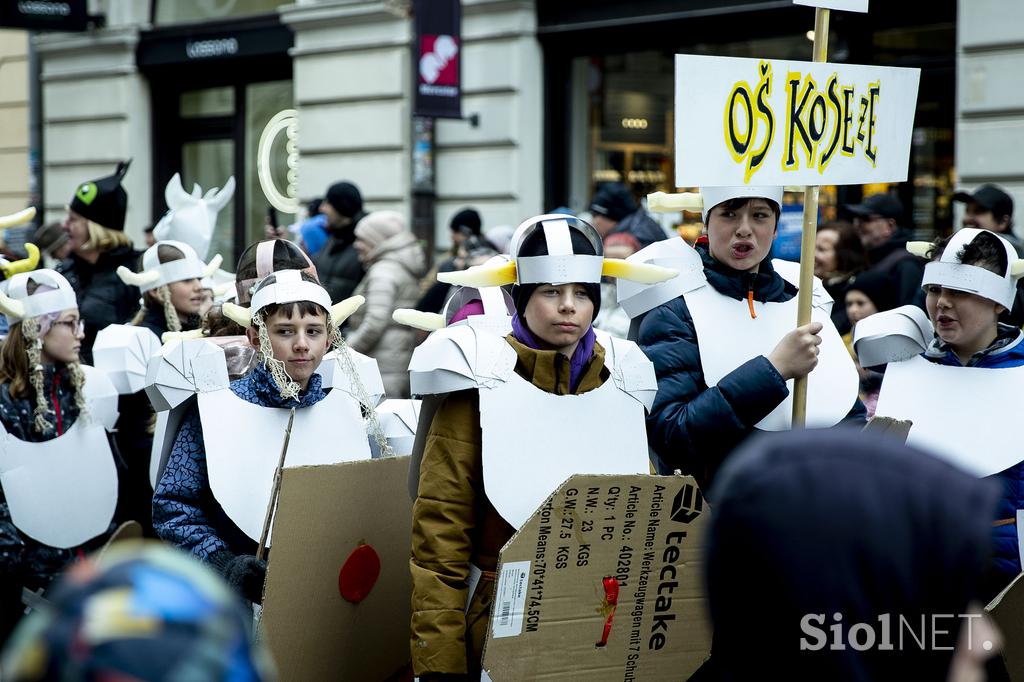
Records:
x=359, y=574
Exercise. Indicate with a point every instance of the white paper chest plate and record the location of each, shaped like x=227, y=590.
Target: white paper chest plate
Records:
x=965, y=415
x=533, y=441
x=728, y=337
x=63, y=492
x=243, y=446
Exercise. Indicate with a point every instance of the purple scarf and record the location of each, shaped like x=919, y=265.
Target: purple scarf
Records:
x=580, y=357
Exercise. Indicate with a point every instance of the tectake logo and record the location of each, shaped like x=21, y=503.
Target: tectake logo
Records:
x=438, y=65
x=688, y=504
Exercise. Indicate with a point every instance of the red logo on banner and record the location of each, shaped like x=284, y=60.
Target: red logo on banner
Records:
x=438, y=63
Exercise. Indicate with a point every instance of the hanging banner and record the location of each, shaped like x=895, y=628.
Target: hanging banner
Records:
x=438, y=53
x=776, y=122
x=844, y=5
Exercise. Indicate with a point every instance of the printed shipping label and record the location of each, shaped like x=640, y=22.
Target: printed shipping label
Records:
x=510, y=600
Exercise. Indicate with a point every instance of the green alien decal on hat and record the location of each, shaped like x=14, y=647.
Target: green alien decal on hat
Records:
x=87, y=193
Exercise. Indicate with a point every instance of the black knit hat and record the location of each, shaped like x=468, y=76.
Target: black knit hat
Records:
x=345, y=198
x=614, y=201
x=103, y=201
x=536, y=245
x=466, y=221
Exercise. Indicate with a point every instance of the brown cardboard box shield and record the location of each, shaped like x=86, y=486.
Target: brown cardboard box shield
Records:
x=551, y=604
x=324, y=513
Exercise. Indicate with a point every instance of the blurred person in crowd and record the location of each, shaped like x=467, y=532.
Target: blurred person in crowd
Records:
x=838, y=257
x=464, y=231
x=877, y=220
x=394, y=262
x=612, y=318
x=869, y=293
x=614, y=210
x=337, y=262
x=847, y=530
x=53, y=242
x=990, y=208
x=694, y=423
x=313, y=230
x=95, y=228
x=139, y=611
x=500, y=237
x=150, y=237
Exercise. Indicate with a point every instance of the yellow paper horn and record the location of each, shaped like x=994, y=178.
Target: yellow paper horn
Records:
x=667, y=203
x=236, y=313
x=214, y=264
x=1017, y=268
x=417, y=319
x=24, y=264
x=19, y=218
x=341, y=310
x=11, y=307
x=167, y=337
x=920, y=248
x=645, y=273
x=481, y=276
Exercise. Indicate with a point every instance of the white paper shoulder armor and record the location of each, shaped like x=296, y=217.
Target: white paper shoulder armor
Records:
x=123, y=352
x=100, y=396
x=182, y=368
x=892, y=336
x=333, y=375
x=630, y=369
x=457, y=358
x=398, y=419
x=637, y=299
x=790, y=272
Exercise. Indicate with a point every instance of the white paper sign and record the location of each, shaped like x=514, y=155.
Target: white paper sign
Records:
x=843, y=5
x=510, y=599
x=777, y=122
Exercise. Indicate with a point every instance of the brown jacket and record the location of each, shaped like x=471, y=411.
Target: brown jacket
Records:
x=454, y=525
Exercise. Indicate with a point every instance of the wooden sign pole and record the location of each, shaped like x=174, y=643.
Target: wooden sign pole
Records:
x=810, y=231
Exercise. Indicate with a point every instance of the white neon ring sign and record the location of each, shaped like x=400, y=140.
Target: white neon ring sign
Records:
x=285, y=121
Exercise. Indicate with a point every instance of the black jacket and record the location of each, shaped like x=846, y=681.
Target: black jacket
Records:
x=103, y=299
x=904, y=269
x=642, y=226
x=337, y=263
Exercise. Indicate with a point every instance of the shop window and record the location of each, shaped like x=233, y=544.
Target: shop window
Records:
x=188, y=11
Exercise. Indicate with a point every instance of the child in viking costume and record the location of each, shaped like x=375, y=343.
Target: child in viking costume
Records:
x=483, y=471
x=169, y=278
x=213, y=494
x=959, y=406
x=57, y=468
x=723, y=342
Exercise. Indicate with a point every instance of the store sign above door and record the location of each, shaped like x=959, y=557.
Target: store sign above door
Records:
x=776, y=122
x=44, y=15
x=438, y=65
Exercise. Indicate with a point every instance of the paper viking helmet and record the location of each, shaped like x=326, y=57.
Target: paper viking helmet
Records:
x=709, y=197
x=288, y=286
x=156, y=274
x=561, y=265
x=950, y=273
x=17, y=304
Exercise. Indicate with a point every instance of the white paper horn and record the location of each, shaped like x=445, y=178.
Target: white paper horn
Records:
x=137, y=279
x=11, y=307
x=341, y=310
x=237, y=314
x=213, y=265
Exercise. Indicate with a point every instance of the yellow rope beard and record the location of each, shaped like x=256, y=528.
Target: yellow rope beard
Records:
x=42, y=411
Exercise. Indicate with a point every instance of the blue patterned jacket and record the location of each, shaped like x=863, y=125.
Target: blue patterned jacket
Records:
x=185, y=512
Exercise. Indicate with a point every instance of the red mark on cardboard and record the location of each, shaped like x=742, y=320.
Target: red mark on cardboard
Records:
x=359, y=574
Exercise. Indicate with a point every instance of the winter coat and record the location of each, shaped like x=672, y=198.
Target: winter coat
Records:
x=337, y=263
x=642, y=226
x=22, y=558
x=693, y=426
x=103, y=299
x=392, y=281
x=903, y=268
x=1006, y=351
x=185, y=512
x=454, y=525
x=831, y=522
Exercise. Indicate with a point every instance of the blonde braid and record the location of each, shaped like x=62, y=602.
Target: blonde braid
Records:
x=78, y=384
x=30, y=329
x=362, y=395
x=163, y=293
x=288, y=388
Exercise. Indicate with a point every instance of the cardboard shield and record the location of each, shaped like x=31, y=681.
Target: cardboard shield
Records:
x=324, y=514
x=606, y=577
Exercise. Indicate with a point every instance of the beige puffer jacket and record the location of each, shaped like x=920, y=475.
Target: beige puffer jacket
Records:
x=393, y=272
